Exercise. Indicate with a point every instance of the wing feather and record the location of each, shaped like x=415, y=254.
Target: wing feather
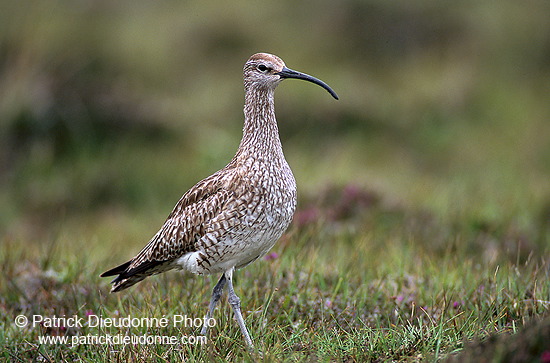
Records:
x=187, y=223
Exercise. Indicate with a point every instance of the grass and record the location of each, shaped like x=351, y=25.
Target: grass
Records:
x=375, y=284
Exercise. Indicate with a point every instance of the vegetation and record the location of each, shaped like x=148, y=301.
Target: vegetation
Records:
x=423, y=223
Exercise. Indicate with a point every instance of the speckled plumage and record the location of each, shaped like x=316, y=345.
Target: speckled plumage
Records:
x=236, y=215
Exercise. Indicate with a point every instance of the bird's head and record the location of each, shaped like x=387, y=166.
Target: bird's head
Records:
x=266, y=71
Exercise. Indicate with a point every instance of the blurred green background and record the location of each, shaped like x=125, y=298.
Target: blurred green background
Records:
x=109, y=111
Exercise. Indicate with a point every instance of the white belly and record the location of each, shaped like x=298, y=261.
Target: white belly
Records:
x=251, y=239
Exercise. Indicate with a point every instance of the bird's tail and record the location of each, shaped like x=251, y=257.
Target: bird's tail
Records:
x=126, y=276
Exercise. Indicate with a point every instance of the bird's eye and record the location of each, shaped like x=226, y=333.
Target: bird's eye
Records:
x=262, y=68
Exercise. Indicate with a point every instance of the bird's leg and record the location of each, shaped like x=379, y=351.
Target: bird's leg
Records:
x=235, y=303
x=216, y=295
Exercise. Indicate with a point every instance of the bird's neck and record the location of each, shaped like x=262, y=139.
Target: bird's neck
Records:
x=260, y=132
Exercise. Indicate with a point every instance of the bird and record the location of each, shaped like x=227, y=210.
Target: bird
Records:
x=236, y=215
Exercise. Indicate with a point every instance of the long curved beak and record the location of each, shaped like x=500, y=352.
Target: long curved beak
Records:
x=289, y=73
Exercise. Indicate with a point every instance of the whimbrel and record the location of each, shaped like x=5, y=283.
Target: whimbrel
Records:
x=236, y=215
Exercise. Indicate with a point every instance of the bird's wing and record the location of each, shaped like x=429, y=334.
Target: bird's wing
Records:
x=189, y=221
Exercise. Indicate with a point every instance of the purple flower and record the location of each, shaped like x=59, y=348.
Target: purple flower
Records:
x=271, y=256
x=307, y=216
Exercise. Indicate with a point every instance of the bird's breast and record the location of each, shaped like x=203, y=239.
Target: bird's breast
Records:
x=263, y=207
